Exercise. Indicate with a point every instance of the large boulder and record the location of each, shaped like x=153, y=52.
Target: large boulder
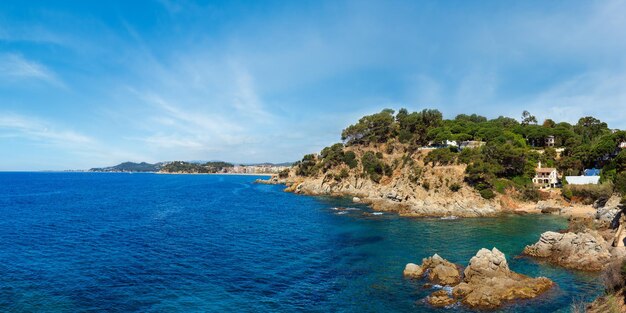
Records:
x=489, y=282
x=441, y=271
x=413, y=270
x=586, y=251
x=487, y=264
x=606, y=212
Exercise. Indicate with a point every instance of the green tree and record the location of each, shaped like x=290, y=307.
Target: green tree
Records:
x=528, y=119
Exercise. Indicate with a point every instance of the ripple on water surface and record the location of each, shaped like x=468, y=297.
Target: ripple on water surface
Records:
x=90, y=242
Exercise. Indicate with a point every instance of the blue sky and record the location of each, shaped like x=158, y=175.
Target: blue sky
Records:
x=95, y=83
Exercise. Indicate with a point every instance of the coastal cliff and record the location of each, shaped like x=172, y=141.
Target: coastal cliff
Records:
x=411, y=189
x=419, y=164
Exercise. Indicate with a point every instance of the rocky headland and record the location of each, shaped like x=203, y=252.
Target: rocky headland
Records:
x=420, y=165
x=486, y=283
x=440, y=190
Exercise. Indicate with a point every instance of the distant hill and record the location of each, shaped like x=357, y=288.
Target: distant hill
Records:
x=130, y=167
x=181, y=166
x=195, y=168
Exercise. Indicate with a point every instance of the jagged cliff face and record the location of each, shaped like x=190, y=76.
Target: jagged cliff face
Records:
x=410, y=187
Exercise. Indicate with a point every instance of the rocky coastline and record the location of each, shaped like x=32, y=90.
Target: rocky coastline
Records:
x=398, y=196
x=401, y=197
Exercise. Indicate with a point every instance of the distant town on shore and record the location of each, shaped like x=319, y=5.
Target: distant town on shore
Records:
x=195, y=167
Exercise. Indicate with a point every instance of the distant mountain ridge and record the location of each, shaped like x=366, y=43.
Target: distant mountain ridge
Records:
x=145, y=167
x=130, y=167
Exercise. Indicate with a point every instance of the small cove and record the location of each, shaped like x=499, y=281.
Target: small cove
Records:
x=75, y=242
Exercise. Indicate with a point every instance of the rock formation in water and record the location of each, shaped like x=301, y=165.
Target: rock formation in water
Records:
x=437, y=270
x=587, y=251
x=487, y=282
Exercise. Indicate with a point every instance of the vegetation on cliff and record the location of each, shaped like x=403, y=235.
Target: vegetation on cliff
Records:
x=500, y=154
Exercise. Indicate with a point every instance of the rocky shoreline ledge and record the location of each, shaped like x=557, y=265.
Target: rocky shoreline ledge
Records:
x=405, y=201
x=395, y=198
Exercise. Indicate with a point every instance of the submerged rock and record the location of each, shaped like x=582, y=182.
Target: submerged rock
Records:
x=586, y=251
x=440, y=298
x=487, y=281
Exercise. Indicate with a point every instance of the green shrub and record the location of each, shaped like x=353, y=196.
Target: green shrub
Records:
x=455, y=187
x=284, y=173
x=567, y=193
x=620, y=183
x=372, y=166
x=426, y=185
x=350, y=159
x=521, y=181
x=343, y=174
x=308, y=166
x=487, y=194
x=443, y=156
x=500, y=185
x=588, y=193
x=529, y=193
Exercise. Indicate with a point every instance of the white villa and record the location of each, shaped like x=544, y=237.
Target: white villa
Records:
x=549, y=141
x=546, y=177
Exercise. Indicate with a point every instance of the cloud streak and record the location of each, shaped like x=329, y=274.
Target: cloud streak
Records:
x=14, y=67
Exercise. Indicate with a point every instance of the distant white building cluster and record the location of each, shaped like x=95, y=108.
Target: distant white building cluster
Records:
x=257, y=169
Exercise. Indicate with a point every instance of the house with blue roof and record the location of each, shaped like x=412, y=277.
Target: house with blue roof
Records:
x=592, y=172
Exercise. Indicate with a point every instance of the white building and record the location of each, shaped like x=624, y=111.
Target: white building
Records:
x=582, y=180
x=550, y=141
x=546, y=177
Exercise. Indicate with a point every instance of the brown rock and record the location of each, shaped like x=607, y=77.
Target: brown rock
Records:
x=586, y=251
x=489, y=282
x=440, y=298
x=442, y=271
x=413, y=270
x=445, y=274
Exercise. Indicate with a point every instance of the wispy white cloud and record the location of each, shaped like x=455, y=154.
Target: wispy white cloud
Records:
x=39, y=130
x=87, y=150
x=14, y=67
x=245, y=97
x=599, y=94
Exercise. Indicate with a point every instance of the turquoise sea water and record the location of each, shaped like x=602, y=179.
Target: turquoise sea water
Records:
x=88, y=242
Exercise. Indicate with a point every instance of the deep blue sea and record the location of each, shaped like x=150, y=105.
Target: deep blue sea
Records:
x=89, y=242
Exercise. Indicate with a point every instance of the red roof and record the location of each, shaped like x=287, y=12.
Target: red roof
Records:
x=546, y=170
